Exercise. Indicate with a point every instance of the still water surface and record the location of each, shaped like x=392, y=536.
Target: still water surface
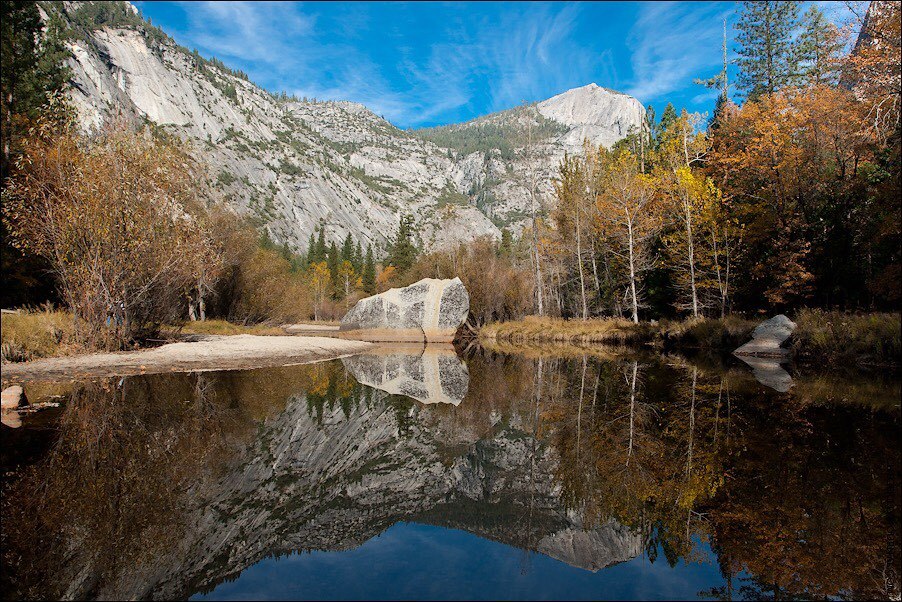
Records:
x=410, y=475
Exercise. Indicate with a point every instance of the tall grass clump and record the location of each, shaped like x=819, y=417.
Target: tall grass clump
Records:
x=614, y=331
x=28, y=335
x=834, y=336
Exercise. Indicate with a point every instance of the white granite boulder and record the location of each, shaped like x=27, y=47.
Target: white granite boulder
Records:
x=430, y=310
x=768, y=337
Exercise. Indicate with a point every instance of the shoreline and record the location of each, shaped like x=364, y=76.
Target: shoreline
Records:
x=215, y=352
x=835, y=339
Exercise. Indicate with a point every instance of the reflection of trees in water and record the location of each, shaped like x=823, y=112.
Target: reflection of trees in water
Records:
x=113, y=490
x=111, y=486
x=803, y=497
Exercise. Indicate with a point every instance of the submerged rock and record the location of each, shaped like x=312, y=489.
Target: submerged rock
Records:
x=429, y=375
x=430, y=310
x=768, y=337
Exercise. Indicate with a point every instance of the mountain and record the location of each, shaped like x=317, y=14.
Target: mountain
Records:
x=293, y=164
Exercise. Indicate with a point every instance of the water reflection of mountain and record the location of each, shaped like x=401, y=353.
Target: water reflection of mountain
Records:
x=168, y=485
x=335, y=467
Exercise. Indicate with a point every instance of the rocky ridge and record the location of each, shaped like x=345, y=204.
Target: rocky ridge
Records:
x=292, y=165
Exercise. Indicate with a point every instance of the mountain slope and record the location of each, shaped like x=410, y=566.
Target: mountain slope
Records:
x=292, y=165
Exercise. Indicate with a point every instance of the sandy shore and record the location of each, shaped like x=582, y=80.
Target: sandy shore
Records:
x=208, y=353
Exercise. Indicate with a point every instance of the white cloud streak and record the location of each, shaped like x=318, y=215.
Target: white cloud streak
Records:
x=672, y=43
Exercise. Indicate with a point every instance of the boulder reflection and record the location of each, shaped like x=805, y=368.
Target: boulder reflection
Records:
x=430, y=374
x=164, y=486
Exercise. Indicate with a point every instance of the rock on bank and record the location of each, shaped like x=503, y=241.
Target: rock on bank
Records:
x=430, y=310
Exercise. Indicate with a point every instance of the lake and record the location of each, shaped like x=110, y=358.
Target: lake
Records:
x=542, y=474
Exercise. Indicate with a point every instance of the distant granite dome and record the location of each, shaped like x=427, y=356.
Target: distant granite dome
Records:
x=293, y=165
x=591, y=112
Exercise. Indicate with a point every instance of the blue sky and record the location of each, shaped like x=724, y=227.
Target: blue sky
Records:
x=423, y=64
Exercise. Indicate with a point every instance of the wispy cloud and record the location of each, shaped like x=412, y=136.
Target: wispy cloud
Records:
x=673, y=43
x=495, y=60
x=422, y=64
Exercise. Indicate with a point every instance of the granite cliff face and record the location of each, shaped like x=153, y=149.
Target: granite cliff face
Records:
x=292, y=165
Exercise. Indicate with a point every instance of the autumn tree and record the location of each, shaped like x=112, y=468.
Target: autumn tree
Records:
x=320, y=280
x=348, y=281
x=629, y=218
x=115, y=218
x=575, y=191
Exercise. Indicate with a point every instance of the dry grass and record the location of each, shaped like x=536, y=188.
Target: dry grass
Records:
x=34, y=334
x=223, y=327
x=614, y=331
x=821, y=336
x=706, y=333
x=837, y=337
x=709, y=334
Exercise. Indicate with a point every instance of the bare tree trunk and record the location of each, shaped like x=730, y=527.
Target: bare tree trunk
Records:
x=633, y=273
x=535, y=222
x=579, y=414
x=691, y=242
x=629, y=453
x=579, y=259
x=201, y=304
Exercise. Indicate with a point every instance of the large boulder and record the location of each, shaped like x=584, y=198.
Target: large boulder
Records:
x=430, y=310
x=768, y=337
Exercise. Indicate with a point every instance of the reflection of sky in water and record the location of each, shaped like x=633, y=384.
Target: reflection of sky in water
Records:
x=531, y=452
x=425, y=562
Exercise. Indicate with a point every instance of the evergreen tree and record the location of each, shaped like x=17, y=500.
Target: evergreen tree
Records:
x=403, y=252
x=347, y=249
x=767, y=57
x=507, y=243
x=311, y=249
x=333, y=260
x=668, y=117
x=369, y=272
x=357, y=262
x=33, y=65
x=321, y=245
x=818, y=49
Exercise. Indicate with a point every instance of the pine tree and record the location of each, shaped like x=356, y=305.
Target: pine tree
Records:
x=333, y=260
x=721, y=81
x=357, y=261
x=507, y=243
x=321, y=245
x=403, y=252
x=347, y=249
x=767, y=56
x=668, y=117
x=369, y=271
x=311, y=250
x=33, y=65
x=818, y=49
